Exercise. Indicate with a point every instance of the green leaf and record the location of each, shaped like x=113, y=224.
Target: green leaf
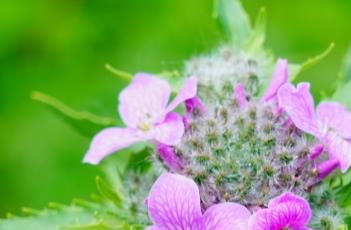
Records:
x=296, y=69
x=258, y=34
x=346, y=178
x=233, y=20
x=84, y=122
x=82, y=215
x=344, y=196
x=107, y=192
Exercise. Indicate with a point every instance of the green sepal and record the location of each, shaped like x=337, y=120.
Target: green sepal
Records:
x=233, y=20
x=84, y=122
x=296, y=69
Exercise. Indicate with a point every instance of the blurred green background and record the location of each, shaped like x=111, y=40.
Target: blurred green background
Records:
x=60, y=47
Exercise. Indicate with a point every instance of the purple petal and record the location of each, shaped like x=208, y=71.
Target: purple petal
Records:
x=326, y=167
x=280, y=77
x=170, y=131
x=298, y=104
x=143, y=101
x=292, y=209
x=194, y=105
x=174, y=202
x=286, y=211
x=339, y=149
x=111, y=140
x=187, y=91
x=316, y=151
x=239, y=95
x=334, y=115
x=168, y=156
x=226, y=216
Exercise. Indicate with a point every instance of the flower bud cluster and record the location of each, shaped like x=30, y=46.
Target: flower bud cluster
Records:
x=244, y=155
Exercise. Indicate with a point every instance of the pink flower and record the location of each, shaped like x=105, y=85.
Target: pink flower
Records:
x=143, y=108
x=174, y=204
x=331, y=124
x=286, y=211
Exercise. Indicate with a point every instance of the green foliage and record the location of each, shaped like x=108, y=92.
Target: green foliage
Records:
x=139, y=161
x=233, y=20
x=84, y=122
x=107, y=192
x=344, y=196
x=106, y=211
x=81, y=215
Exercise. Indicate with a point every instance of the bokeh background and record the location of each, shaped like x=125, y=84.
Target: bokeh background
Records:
x=60, y=47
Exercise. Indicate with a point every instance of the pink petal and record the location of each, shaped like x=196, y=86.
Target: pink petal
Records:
x=286, y=211
x=187, y=91
x=144, y=100
x=298, y=104
x=334, y=115
x=239, y=95
x=226, y=216
x=170, y=131
x=292, y=209
x=339, y=149
x=174, y=203
x=280, y=77
x=262, y=220
x=111, y=140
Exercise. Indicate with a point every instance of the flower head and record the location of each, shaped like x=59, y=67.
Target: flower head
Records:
x=174, y=203
x=331, y=123
x=286, y=211
x=143, y=108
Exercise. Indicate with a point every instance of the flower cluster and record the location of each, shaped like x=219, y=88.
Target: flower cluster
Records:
x=233, y=160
